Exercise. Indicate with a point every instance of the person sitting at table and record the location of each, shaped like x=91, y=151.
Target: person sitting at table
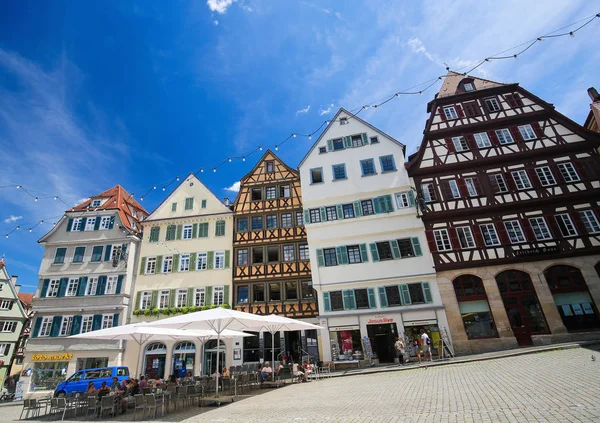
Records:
x=134, y=387
x=116, y=386
x=307, y=369
x=104, y=389
x=188, y=379
x=91, y=388
x=279, y=368
x=225, y=372
x=172, y=381
x=143, y=382
x=266, y=372
x=298, y=370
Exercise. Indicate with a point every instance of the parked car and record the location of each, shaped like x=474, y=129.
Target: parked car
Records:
x=79, y=381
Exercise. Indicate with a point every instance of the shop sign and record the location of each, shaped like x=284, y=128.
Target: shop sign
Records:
x=376, y=320
x=343, y=328
x=421, y=323
x=53, y=357
x=536, y=251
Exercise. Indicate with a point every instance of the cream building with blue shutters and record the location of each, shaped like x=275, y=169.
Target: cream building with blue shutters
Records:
x=184, y=267
x=87, y=276
x=370, y=261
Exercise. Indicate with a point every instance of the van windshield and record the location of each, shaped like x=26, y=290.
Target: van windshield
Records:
x=75, y=377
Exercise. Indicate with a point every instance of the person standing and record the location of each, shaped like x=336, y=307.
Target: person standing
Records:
x=426, y=345
x=417, y=350
x=400, y=349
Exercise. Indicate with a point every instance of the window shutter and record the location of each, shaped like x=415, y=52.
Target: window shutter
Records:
x=527, y=230
x=537, y=129
x=97, y=322
x=69, y=225
x=195, y=230
x=382, y=296
x=138, y=299
x=115, y=319
x=364, y=256
x=179, y=230
x=347, y=142
x=154, y=299
x=395, y=249
x=442, y=114
x=502, y=234
x=431, y=240
x=342, y=254
x=76, y=325
x=450, y=145
x=97, y=225
x=352, y=299
x=323, y=214
x=329, y=145
x=320, y=258
x=143, y=266
x=377, y=205
x=516, y=134
x=227, y=257
x=112, y=222
x=411, y=198
x=416, y=246
x=159, y=262
x=326, y=301
x=226, y=295
x=108, y=252
x=190, y=297
x=208, y=299
x=175, y=263
x=493, y=138
x=306, y=217
x=372, y=302
x=357, y=209
x=210, y=257
x=405, y=293
x=575, y=217
x=387, y=203
x=345, y=297
x=454, y=243
x=36, y=327
x=374, y=252
x=193, y=262
x=82, y=285
x=204, y=230
x=82, y=227
x=44, y=289
x=427, y=292
x=119, y=284
x=101, y=287
x=365, y=139
x=339, y=211
x=478, y=236
x=62, y=287
x=459, y=111
x=55, y=328
x=462, y=188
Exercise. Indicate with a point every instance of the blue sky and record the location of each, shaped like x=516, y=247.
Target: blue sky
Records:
x=94, y=94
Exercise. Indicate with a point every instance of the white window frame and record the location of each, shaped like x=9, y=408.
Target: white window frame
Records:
x=467, y=234
x=92, y=286
x=65, y=326
x=489, y=229
x=468, y=86
x=107, y=321
x=442, y=239
x=521, y=179
x=167, y=264
x=567, y=222
x=8, y=326
x=590, y=221
x=301, y=252
x=544, y=174
x=514, y=231
x=72, y=287
x=164, y=296
x=111, y=285
x=504, y=136
x=527, y=132
x=219, y=260
x=426, y=190
x=493, y=102
x=146, y=300
x=53, y=287
x=469, y=182
x=460, y=144
x=76, y=226
x=202, y=261
x=45, y=327
x=96, y=203
x=184, y=262
x=186, y=232
x=105, y=222
x=181, y=298
x=540, y=228
x=482, y=139
x=3, y=348
x=87, y=323
x=454, y=188
x=5, y=304
x=90, y=223
x=500, y=182
x=199, y=297
x=450, y=112
x=218, y=295
x=402, y=201
x=150, y=266
x=568, y=172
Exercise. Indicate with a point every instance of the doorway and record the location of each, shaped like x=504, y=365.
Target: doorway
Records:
x=293, y=345
x=210, y=357
x=155, y=357
x=382, y=339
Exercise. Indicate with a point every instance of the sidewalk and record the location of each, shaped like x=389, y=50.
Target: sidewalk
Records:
x=467, y=358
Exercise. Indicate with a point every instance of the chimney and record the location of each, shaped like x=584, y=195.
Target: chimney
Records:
x=593, y=94
x=13, y=280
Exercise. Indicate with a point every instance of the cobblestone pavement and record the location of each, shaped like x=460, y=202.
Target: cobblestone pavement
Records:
x=555, y=386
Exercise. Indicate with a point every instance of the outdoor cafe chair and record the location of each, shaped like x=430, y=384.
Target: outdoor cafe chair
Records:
x=107, y=403
x=152, y=403
x=61, y=404
x=30, y=406
x=92, y=404
x=140, y=404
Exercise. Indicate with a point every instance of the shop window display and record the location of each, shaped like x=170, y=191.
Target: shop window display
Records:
x=346, y=344
x=46, y=376
x=474, y=308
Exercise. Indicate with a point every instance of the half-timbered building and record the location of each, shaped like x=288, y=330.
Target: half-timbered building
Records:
x=271, y=273
x=509, y=192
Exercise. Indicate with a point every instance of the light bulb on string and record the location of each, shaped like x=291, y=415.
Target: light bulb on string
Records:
x=141, y=198
x=201, y=170
x=56, y=198
x=244, y=158
x=164, y=188
x=35, y=199
x=260, y=148
x=572, y=34
x=540, y=39
x=177, y=179
x=294, y=135
x=30, y=230
x=154, y=187
x=18, y=227
x=276, y=148
x=397, y=94
x=6, y=235
x=229, y=159
x=214, y=169
x=19, y=186
x=310, y=137
x=516, y=56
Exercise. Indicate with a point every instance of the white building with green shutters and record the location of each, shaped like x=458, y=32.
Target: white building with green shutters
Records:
x=369, y=257
x=184, y=267
x=87, y=275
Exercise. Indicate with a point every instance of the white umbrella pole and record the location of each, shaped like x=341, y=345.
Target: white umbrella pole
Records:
x=217, y=369
x=273, y=355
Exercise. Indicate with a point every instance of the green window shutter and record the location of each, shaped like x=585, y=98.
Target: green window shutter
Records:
x=101, y=287
x=44, y=289
x=36, y=327
x=388, y=204
x=374, y=252
x=339, y=211
x=62, y=287
x=169, y=235
x=382, y=296
x=175, y=263
x=119, y=284
x=55, y=328
x=172, y=298
x=138, y=299
x=108, y=252
x=405, y=294
x=377, y=204
x=111, y=223
x=115, y=319
x=226, y=295
x=306, y=217
x=97, y=322
x=357, y=209
x=189, y=203
x=411, y=198
x=320, y=258
x=329, y=145
x=209, y=297
x=210, y=258
x=203, y=204
x=96, y=227
x=173, y=207
x=364, y=256
x=195, y=230
x=143, y=266
x=203, y=233
x=179, y=230
x=82, y=227
x=154, y=234
x=76, y=326
x=227, y=257
x=323, y=214
x=427, y=292
x=69, y=225
x=395, y=249
x=190, y=297
x=159, y=260
x=347, y=142
x=349, y=299
x=326, y=301
x=365, y=139
x=372, y=302
x=192, y=261
x=154, y=299
x=416, y=246
x=342, y=254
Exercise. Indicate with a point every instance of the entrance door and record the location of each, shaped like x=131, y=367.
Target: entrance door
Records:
x=382, y=339
x=210, y=362
x=293, y=345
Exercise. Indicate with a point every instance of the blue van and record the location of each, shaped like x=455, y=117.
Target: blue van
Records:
x=79, y=381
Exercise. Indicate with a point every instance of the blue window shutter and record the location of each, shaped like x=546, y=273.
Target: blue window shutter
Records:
x=320, y=258
x=427, y=292
x=323, y=214
x=82, y=227
x=123, y=251
x=364, y=256
x=112, y=222
x=377, y=204
x=382, y=296
x=416, y=246
x=119, y=284
x=306, y=217
x=374, y=252
x=44, y=289
x=82, y=286
x=97, y=223
x=357, y=209
x=55, y=328
x=62, y=287
x=76, y=327
x=405, y=294
x=69, y=225
x=339, y=211
x=365, y=139
x=116, y=319
x=347, y=142
x=101, y=287
x=372, y=302
x=326, y=301
x=411, y=198
x=395, y=249
x=329, y=145
x=97, y=322
x=36, y=327
x=108, y=252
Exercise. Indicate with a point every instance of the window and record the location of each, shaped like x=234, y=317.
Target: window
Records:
x=291, y=290
x=97, y=253
x=203, y=204
x=65, y=326
x=242, y=257
x=86, y=323
x=498, y=183
x=286, y=220
x=367, y=167
x=454, y=188
x=384, y=250
x=393, y=295
x=181, y=299
x=567, y=170
x=72, y=287
x=220, y=228
x=361, y=296
x=338, y=144
x=59, y=256
x=146, y=300
x=53, y=288
x=521, y=179
x=270, y=193
x=450, y=113
x=5, y=305
x=374, y=140
x=490, y=236
x=442, y=241
x=348, y=211
x=90, y=223
x=482, y=140
x=416, y=293
x=219, y=260
x=527, y=132
x=272, y=254
x=356, y=141
x=590, y=221
x=492, y=104
x=303, y=252
x=387, y=163
x=354, y=254
x=275, y=291
x=284, y=191
x=288, y=253
x=8, y=326
x=256, y=194
x=4, y=350
x=92, y=285
x=150, y=266
x=201, y=261
x=45, y=327
x=77, y=222
x=471, y=188
x=468, y=86
x=167, y=265
x=565, y=223
x=330, y=257
x=315, y=215
x=299, y=218
x=105, y=222
x=173, y=207
x=258, y=293
x=187, y=232
x=189, y=203
x=218, y=295
x=258, y=256
x=270, y=166
x=337, y=303
x=184, y=262
x=322, y=150
x=339, y=171
x=428, y=193
x=96, y=203
x=514, y=231
x=465, y=237
x=545, y=176
x=331, y=213
x=111, y=285
x=474, y=308
x=163, y=298
x=199, y=297
x=307, y=290
x=540, y=228
x=107, y=321
x=504, y=136
x=367, y=207
x=402, y=200
x=271, y=222
x=78, y=255
x=257, y=223
x=460, y=143
x=242, y=224
x=513, y=100
x=343, y=121
x=316, y=176
x=471, y=109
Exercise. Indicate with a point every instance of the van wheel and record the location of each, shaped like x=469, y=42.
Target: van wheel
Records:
x=61, y=394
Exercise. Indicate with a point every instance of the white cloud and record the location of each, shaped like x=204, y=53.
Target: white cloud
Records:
x=305, y=110
x=325, y=10
x=216, y=22
x=417, y=47
x=326, y=111
x=12, y=218
x=219, y=6
x=81, y=200
x=234, y=188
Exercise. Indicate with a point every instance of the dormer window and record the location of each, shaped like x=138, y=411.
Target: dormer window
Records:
x=468, y=86
x=270, y=165
x=96, y=203
x=133, y=213
x=343, y=121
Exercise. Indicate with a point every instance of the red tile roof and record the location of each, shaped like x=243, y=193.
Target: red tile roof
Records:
x=26, y=298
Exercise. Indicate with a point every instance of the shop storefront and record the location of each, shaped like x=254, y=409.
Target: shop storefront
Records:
x=48, y=371
x=155, y=357
x=413, y=331
x=346, y=343
x=184, y=358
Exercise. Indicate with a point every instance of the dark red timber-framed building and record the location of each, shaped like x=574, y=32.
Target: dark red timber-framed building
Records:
x=509, y=192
